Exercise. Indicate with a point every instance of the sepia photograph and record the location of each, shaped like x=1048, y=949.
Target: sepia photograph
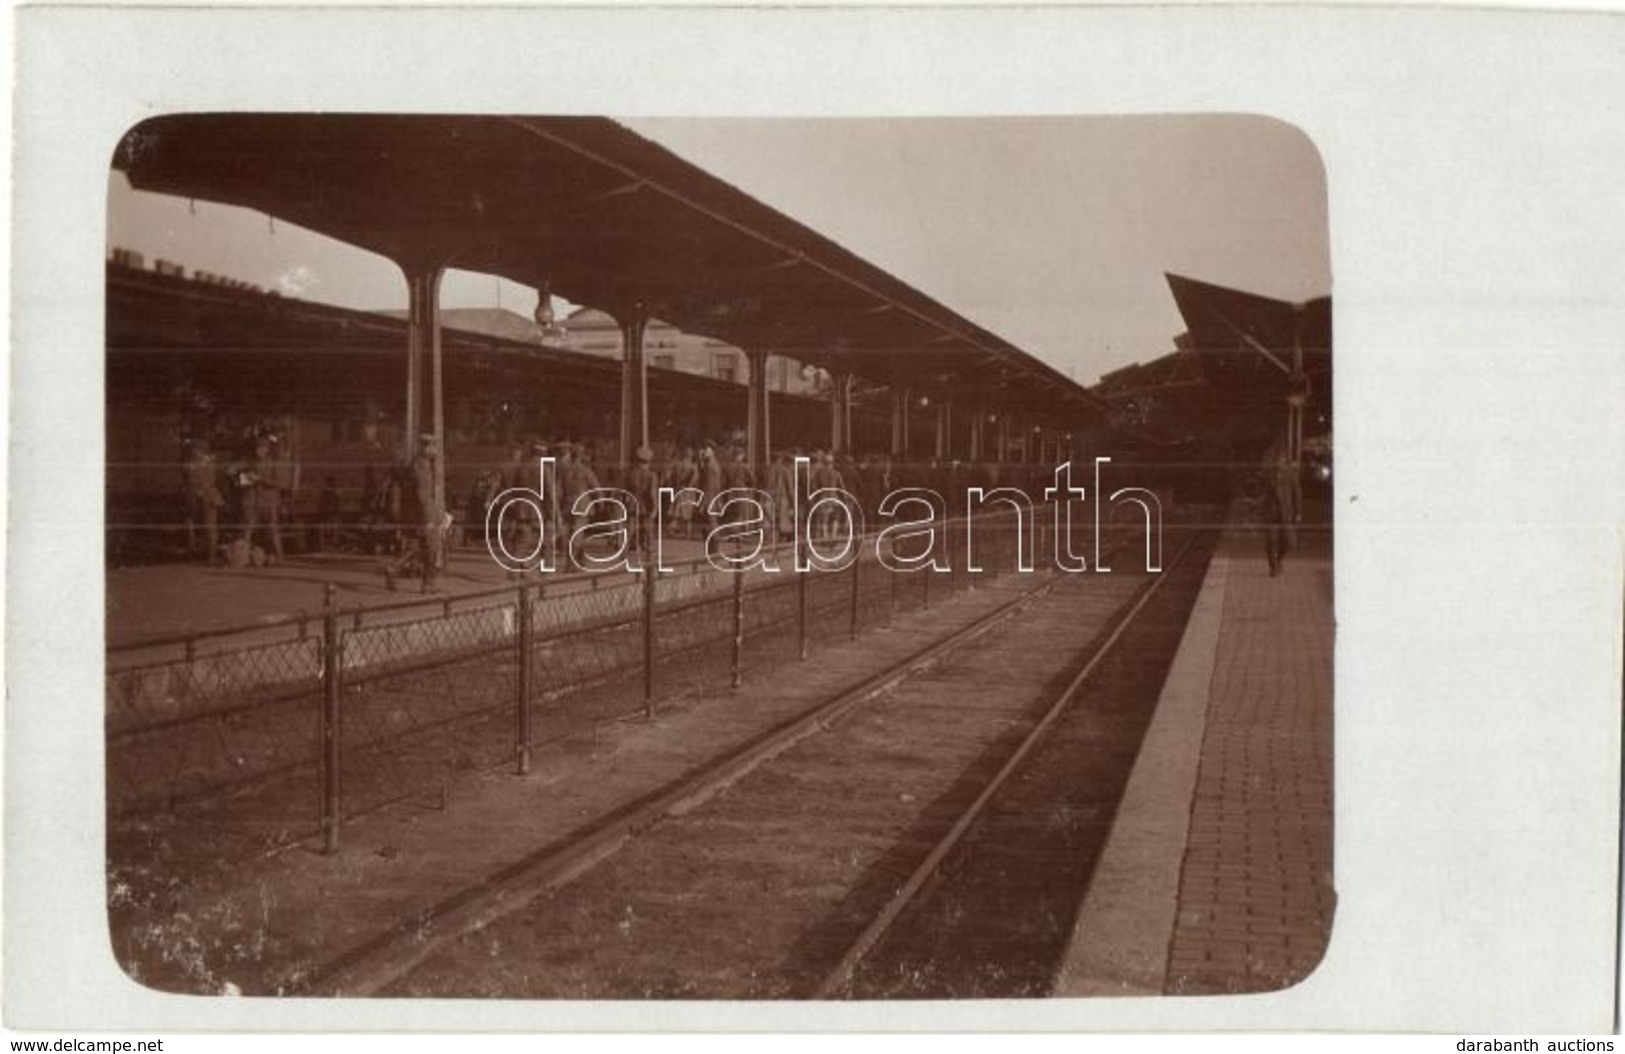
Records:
x=538, y=568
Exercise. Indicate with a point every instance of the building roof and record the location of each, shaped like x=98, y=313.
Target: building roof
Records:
x=1232, y=366
x=592, y=318
x=152, y=312
x=492, y=321
x=1223, y=319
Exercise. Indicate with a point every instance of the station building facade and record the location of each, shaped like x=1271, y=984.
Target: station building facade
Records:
x=593, y=332
x=189, y=359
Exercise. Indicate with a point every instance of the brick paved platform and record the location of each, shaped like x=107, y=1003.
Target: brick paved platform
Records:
x=1217, y=877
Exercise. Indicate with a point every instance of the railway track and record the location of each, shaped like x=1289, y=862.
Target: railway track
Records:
x=991, y=911
x=782, y=868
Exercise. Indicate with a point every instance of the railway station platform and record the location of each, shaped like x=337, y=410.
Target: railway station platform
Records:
x=274, y=924
x=160, y=600
x=1217, y=875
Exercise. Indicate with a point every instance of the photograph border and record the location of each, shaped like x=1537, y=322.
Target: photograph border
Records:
x=1464, y=260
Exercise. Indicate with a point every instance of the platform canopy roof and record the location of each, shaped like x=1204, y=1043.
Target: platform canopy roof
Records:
x=1220, y=319
x=1245, y=342
x=597, y=215
x=1232, y=367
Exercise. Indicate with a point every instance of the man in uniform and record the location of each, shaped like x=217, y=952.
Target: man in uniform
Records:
x=263, y=484
x=710, y=483
x=681, y=474
x=1283, y=504
x=575, y=479
x=203, y=498
x=423, y=541
x=642, y=484
x=825, y=476
x=781, y=486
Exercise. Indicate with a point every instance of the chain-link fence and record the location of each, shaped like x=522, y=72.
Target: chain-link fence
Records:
x=272, y=735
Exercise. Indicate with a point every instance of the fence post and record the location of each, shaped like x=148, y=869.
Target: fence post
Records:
x=1045, y=544
x=801, y=601
x=891, y=587
x=332, y=669
x=1025, y=531
x=523, y=639
x=739, y=625
x=649, y=571
x=925, y=590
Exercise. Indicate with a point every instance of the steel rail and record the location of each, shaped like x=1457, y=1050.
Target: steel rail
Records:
x=369, y=967
x=843, y=972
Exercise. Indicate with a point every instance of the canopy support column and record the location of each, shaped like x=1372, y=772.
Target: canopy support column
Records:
x=899, y=422
x=840, y=412
x=1298, y=393
x=633, y=320
x=425, y=388
x=759, y=426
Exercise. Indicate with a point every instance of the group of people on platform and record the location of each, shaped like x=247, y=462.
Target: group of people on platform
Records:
x=695, y=474
x=248, y=489
x=402, y=519
x=237, y=500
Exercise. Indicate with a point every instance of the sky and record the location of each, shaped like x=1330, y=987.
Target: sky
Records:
x=1053, y=232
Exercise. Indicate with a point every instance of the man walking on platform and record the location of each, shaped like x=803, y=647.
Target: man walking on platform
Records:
x=263, y=484
x=710, y=483
x=682, y=473
x=423, y=544
x=642, y=484
x=781, y=486
x=1283, y=504
x=203, y=499
x=575, y=478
